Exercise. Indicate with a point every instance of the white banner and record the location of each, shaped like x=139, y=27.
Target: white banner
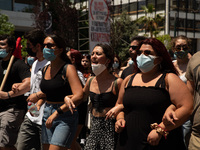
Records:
x=99, y=22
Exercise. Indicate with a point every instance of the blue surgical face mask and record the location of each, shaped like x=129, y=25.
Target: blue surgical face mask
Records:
x=181, y=54
x=115, y=65
x=130, y=62
x=3, y=53
x=145, y=63
x=30, y=60
x=48, y=54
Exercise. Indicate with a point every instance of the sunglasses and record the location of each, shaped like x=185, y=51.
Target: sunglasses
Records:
x=133, y=47
x=146, y=52
x=184, y=47
x=85, y=55
x=49, y=45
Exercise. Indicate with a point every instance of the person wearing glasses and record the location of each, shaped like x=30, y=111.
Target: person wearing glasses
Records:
x=134, y=44
x=181, y=46
x=146, y=95
x=59, y=80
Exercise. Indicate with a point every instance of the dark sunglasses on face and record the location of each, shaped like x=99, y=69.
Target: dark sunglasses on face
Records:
x=133, y=47
x=184, y=47
x=146, y=52
x=49, y=45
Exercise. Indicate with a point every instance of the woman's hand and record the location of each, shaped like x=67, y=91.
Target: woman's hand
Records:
x=32, y=98
x=154, y=137
x=69, y=103
x=169, y=117
x=51, y=119
x=112, y=113
x=120, y=125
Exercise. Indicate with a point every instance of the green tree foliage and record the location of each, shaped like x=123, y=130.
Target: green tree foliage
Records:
x=23, y=50
x=122, y=30
x=166, y=40
x=151, y=22
x=5, y=26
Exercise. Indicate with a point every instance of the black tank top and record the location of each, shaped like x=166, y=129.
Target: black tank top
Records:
x=103, y=100
x=144, y=106
x=56, y=88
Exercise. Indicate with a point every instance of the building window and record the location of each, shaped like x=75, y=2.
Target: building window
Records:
x=197, y=26
x=133, y=7
x=125, y=7
x=140, y=4
x=6, y=5
x=23, y=5
x=160, y=5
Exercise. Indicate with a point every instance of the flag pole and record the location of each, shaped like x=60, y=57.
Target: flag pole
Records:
x=7, y=72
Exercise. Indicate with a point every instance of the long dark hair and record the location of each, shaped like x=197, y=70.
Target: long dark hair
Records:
x=161, y=51
x=108, y=51
x=60, y=43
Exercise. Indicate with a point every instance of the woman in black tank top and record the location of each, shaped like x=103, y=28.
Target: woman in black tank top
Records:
x=59, y=80
x=103, y=92
x=145, y=97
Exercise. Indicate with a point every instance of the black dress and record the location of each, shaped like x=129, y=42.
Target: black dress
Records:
x=144, y=106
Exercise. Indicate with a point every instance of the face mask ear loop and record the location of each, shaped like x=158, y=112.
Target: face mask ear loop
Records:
x=106, y=63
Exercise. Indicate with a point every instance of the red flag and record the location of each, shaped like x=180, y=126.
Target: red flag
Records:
x=17, y=51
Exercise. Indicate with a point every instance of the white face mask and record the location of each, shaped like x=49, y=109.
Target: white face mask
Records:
x=98, y=68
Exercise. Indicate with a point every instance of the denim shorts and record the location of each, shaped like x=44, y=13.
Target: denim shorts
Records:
x=63, y=127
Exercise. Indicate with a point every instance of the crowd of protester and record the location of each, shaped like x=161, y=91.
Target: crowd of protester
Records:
x=95, y=101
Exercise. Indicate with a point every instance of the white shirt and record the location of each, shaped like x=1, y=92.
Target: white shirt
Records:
x=36, y=77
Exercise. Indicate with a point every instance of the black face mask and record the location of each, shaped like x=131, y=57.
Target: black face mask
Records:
x=30, y=52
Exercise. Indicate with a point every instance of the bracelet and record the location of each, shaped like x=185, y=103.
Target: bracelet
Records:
x=37, y=96
x=59, y=110
x=159, y=130
x=8, y=95
x=120, y=118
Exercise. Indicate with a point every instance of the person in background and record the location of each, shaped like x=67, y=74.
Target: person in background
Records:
x=135, y=41
x=192, y=75
x=146, y=95
x=86, y=63
x=13, y=105
x=181, y=46
x=75, y=57
x=30, y=60
x=116, y=67
x=29, y=136
x=103, y=91
x=59, y=80
x=87, y=72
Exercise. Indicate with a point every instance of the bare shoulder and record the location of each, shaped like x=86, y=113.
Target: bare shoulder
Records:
x=119, y=80
x=174, y=80
x=172, y=76
x=70, y=66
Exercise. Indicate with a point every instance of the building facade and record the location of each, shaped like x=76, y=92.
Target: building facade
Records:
x=19, y=13
x=182, y=17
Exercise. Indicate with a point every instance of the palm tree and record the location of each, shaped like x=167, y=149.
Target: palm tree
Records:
x=150, y=22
